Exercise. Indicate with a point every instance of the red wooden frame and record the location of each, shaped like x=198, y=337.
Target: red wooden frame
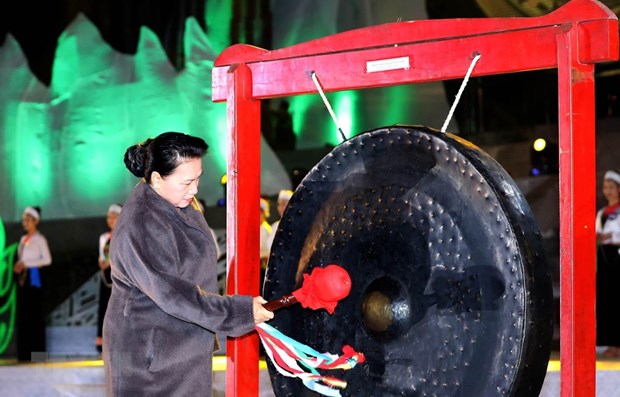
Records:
x=572, y=39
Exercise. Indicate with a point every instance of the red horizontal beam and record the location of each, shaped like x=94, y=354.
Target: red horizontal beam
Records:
x=424, y=51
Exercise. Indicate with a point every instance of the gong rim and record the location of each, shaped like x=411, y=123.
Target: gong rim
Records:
x=472, y=313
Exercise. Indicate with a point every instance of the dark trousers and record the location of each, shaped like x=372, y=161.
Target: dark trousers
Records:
x=104, y=297
x=30, y=322
x=607, y=278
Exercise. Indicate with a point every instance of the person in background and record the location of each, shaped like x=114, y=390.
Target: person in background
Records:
x=105, y=278
x=164, y=312
x=283, y=198
x=33, y=254
x=265, y=231
x=608, y=267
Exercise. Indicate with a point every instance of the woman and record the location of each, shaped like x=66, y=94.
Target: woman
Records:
x=164, y=312
x=105, y=280
x=33, y=254
x=284, y=196
x=608, y=266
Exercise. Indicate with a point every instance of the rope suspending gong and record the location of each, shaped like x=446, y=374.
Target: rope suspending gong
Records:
x=319, y=88
x=458, y=94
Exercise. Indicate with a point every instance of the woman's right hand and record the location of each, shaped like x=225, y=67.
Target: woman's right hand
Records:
x=104, y=264
x=19, y=267
x=260, y=313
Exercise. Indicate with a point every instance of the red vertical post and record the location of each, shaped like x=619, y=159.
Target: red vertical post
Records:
x=576, y=122
x=242, y=222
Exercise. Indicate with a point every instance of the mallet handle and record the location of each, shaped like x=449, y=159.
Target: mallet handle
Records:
x=285, y=301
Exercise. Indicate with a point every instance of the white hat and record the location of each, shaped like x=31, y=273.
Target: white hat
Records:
x=264, y=205
x=115, y=209
x=32, y=212
x=612, y=176
x=285, y=194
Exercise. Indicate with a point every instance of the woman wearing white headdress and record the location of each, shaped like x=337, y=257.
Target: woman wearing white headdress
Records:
x=32, y=255
x=105, y=277
x=608, y=267
x=284, y=196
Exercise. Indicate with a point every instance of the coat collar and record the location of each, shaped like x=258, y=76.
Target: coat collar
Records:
x=188, y=215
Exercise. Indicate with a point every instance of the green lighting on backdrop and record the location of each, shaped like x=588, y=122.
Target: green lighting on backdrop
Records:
x=312, y=117
x=218, y=17
x=7, y=291
x=345, y=110
x=33, y=165
x=69, y=140
x=62, y=145
x=395, y=111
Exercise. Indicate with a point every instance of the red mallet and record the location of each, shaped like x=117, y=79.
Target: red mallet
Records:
x=321, y=289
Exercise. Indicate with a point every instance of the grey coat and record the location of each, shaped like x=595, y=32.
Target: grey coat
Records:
x=160, y=325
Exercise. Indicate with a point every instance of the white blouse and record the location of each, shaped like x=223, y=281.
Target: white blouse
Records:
x=612, y=225
x=34, y=251
x=103, y=239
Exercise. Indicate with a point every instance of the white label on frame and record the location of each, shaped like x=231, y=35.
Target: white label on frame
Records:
x=387, y=64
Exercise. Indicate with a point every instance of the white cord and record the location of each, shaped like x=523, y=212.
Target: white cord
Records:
x=458, y=95
x=315, y=79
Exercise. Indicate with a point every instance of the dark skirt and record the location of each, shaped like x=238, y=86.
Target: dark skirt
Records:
x=105, y=289
x=607, y=279
x=30, y=321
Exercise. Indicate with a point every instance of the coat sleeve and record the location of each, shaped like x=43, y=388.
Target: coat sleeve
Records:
x=149, y=255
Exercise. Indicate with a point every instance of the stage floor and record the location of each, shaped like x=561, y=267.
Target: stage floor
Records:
x=84, y=378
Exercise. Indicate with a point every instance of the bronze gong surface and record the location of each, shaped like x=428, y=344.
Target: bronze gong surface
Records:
x=450, y=290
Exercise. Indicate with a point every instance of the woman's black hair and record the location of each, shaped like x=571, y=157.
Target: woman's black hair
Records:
x=163, y=154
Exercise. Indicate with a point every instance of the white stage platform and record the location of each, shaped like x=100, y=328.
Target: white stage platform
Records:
x=85, y=379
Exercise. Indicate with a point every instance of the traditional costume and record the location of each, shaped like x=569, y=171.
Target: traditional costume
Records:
x=33, y=251
x=283, y=198
x=105, y=276
x=608, y=272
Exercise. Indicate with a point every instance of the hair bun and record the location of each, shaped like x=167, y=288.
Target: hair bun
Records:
x=135, y=158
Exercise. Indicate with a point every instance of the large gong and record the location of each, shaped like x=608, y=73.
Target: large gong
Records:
x=450, y=290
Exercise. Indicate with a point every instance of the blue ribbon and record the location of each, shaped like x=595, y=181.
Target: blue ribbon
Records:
x=35, y=277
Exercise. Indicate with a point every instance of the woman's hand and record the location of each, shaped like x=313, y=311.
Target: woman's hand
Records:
x=260, y=313
x=104, y=264
x=19, y=267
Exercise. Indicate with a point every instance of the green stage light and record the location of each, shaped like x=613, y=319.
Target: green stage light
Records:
x=7, y=291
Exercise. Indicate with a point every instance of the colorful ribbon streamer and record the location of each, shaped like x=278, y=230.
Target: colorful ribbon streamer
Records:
x=294, y=359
